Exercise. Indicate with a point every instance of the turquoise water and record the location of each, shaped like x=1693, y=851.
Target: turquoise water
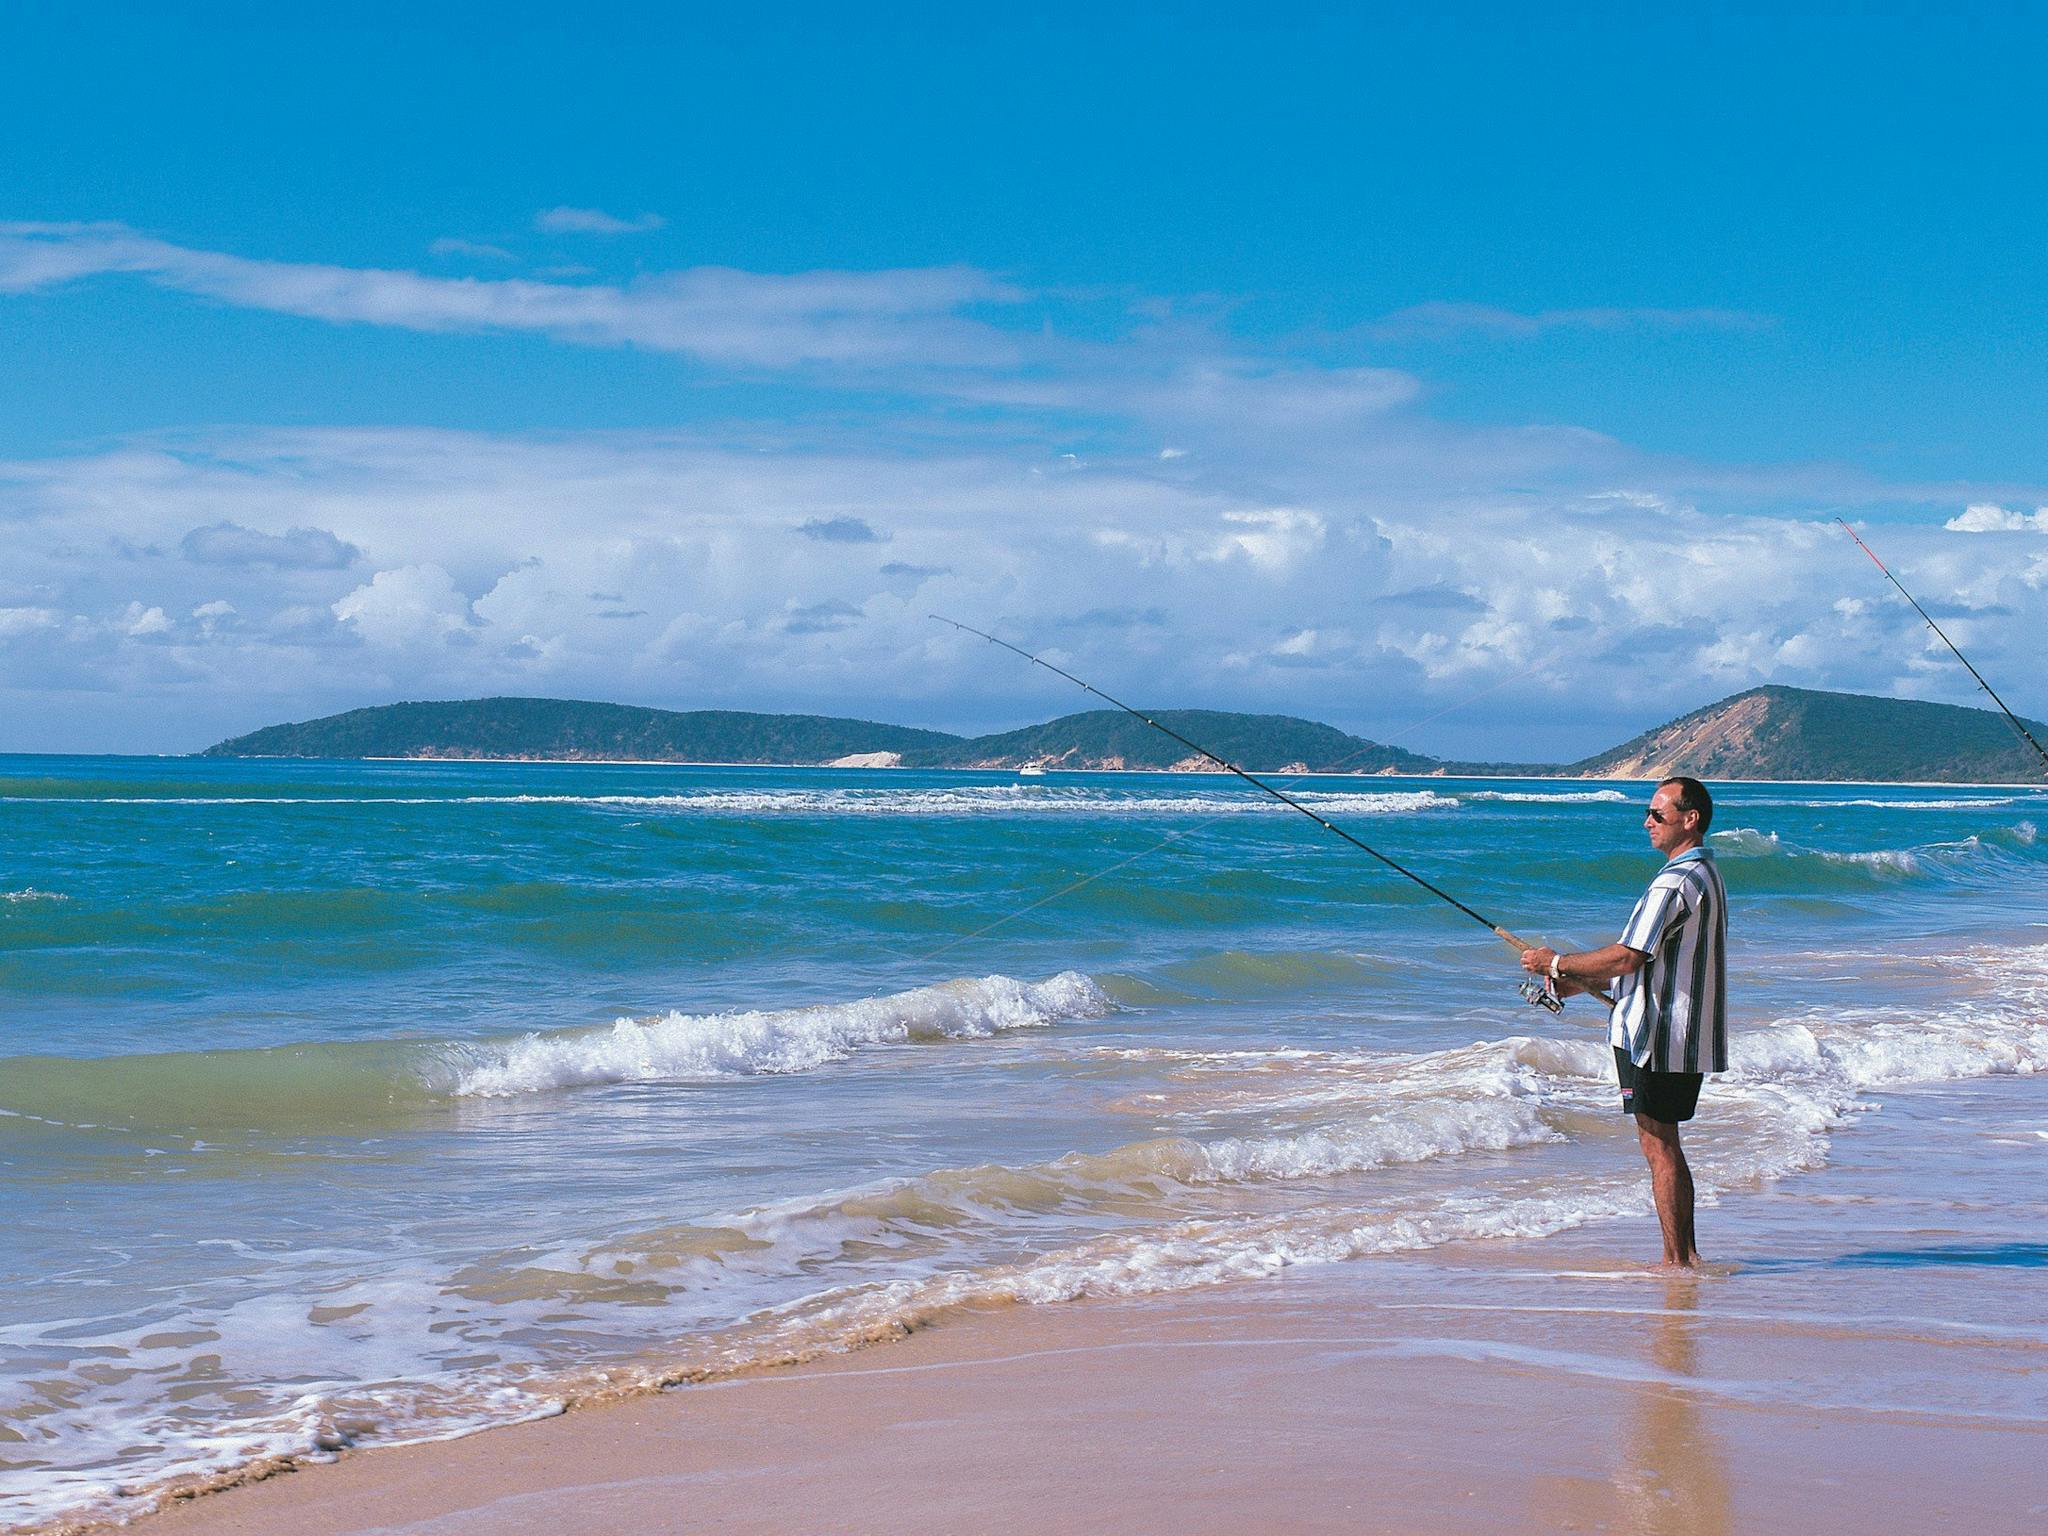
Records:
x=351, y=1101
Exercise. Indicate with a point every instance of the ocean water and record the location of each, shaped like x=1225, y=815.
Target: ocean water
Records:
x=344, y=1103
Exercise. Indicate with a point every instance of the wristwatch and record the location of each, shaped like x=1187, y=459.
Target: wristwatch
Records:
x=1554, y=958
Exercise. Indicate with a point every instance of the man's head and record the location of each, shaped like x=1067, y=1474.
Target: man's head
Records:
x=1680, y=812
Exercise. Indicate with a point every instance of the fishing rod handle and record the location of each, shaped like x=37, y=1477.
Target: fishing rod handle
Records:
x=1525, y=946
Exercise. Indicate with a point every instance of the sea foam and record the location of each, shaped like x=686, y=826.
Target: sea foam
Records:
x=681, y=1046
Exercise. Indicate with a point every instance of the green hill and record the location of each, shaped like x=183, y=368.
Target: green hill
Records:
x=1766, y=733
x=1109, y=738
x=1803, y=733
x=573, y=730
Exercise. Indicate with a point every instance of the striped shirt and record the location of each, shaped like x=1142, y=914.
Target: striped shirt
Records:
x=1672, y=1014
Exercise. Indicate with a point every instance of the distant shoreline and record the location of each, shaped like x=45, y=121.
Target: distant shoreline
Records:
x=1180, y=773
x=1767, y=734
x=1184, y=773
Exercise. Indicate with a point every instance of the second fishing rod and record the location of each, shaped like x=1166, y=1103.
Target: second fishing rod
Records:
x=1542, y=997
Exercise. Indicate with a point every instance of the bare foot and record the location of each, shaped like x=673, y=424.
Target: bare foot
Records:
x=1698, y=1269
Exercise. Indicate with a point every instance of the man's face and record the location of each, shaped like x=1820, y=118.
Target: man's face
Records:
x=1668, y=826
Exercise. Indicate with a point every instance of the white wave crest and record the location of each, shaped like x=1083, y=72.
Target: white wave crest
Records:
x=1948, y=803
x=1558, y=797
x=1413, y=1133
x=1750, y=842
x=928, y=1216
x=1861, y=1051
x=1201, y=1252
x=29, y=893
x=1019, y=800
x=960, y=800
x=686, y=1046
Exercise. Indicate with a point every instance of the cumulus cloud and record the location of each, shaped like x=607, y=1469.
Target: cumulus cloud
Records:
x=304, y=549
x=632, y=567
x=1313, y=541
x=24, y=621
x=1272, y=540
x=140, y=623
x=212, y=617
x=409, y=606
x=1989, y=517
x=592, y=221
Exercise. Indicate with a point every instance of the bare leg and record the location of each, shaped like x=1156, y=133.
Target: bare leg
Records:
x=1671, y=1185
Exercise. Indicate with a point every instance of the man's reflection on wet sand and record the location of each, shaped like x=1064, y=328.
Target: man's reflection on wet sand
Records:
x=1672, y=1476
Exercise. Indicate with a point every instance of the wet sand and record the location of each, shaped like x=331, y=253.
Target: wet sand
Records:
x=1514, y=1386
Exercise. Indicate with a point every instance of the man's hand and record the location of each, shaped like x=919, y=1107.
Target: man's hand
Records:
x=1592, y=967
x=1537, y=961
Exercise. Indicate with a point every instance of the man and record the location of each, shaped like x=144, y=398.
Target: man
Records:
x=1670, y=1022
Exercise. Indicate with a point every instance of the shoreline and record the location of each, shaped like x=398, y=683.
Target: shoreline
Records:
x=1203, y=773
x=1404, y=1397
x=1843, y=1363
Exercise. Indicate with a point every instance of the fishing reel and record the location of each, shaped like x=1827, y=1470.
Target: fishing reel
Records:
x=1542, y=994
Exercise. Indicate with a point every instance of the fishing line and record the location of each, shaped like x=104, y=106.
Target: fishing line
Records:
x=1516, y=943
x=2011, y=718
x=1202, y=826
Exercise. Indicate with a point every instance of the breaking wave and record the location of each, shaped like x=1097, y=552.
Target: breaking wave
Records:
x=312, y=1088
x=681, y=1046
x=825, y=1272
x=1960, y=854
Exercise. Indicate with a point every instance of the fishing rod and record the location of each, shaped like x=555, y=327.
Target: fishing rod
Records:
x=1542, y=997
x=2014, y=720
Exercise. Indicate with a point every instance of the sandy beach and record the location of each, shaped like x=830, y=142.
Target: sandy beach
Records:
x=1515, y=1386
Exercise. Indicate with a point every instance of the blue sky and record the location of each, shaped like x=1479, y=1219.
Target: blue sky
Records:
x=1327, y=362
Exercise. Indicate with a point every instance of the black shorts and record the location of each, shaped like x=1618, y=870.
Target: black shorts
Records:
x=1667, y=1096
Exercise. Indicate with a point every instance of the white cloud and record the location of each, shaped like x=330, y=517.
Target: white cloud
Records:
x=1642, y=501
x=140, y=623
x=1989, y=517
x=592, y=221
x=23, y=621
x=865, y=319
x=1313, y=541
x=408, y=606
x=661, y=570
x=1273, y=540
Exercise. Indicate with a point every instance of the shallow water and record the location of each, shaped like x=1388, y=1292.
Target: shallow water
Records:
x=343, y=1101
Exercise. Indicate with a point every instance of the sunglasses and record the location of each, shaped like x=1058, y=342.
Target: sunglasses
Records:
x=1660, y=818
